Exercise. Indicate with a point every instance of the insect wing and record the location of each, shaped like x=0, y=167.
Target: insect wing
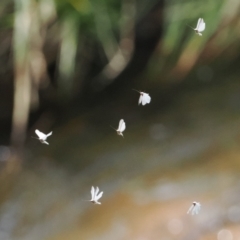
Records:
x=195, y=210
x=92, y=193
x=198, y=23
x=140, y=99
x=122, y=125
x=49, y=134
x=119, y=125
x=190, y=209
x=99, y=196
x=96, y=192
x=40, y=134
x=146, y=99
x=201, y=26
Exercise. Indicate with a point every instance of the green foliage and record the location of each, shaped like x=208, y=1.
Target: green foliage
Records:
x=85, y=10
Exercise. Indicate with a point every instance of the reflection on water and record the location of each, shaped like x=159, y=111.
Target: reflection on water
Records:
x=224, y=234
x=5, y=153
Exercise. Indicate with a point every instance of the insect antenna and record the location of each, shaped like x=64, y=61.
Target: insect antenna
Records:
x=35, y=137
x=113, y=128
x=136, y=90
x=190, y=27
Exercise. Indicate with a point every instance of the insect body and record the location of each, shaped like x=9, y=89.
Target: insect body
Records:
x=144, y=98
x=121, y=127
x=195, y=208
x=95, y=195
x=200, y=27
x=42, y=137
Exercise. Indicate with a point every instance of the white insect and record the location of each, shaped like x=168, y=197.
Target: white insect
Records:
x=144, y=98
x=195, y=208
x=42, y=137
x=121, y=127
x=200, y=27
x=95, y=195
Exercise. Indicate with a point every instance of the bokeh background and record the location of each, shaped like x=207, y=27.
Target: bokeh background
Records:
x=69, y=66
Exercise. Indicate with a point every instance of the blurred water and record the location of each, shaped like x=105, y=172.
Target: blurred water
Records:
x=149, y=179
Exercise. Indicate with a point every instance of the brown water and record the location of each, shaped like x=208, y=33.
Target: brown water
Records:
x=149, y=178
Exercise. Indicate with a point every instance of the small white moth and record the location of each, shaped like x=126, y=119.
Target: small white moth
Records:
x=42, y=137
x=95, y=195
x=144, y=98
x=200, y=26
x=121, y=127
x=195, y=208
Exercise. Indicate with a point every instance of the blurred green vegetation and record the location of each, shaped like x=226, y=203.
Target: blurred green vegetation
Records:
x=66, y=50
